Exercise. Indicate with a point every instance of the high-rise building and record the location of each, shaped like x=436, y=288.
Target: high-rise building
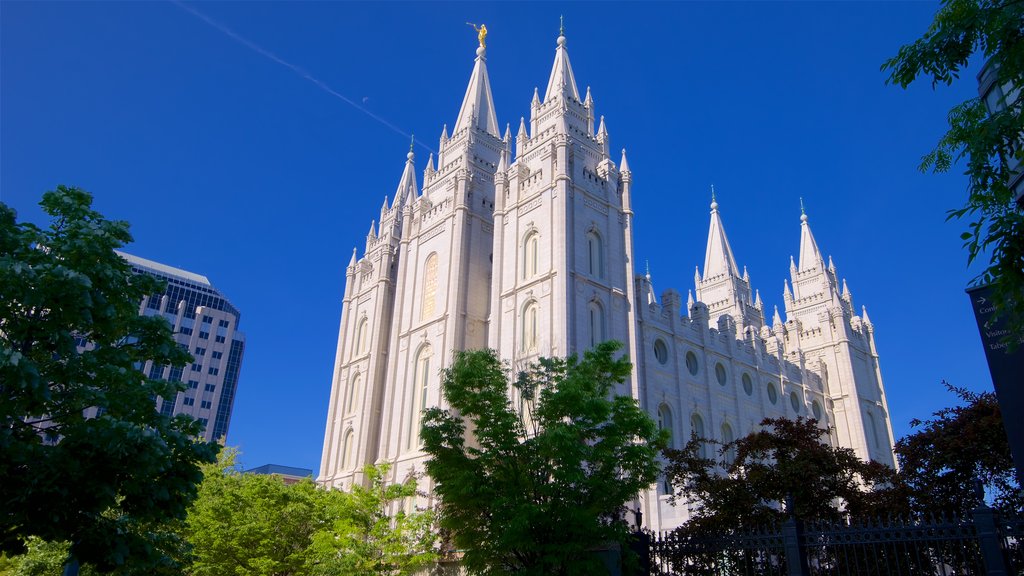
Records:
x=206, y=324
x=525, y=245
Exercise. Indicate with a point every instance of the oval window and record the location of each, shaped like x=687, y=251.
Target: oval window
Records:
x=660, y=351
x=748, y=384
x=720, y=374
x=773, y=395
x=691, y=363
x=794, y=400
x=816, y=410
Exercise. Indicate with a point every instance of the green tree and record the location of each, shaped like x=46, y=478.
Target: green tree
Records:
x=745, y=484
x=252, y=524
x=990, y=143
x=104, y=483
x=363, y=536
x=940, y=461
x=40, y=559
x=537, y=490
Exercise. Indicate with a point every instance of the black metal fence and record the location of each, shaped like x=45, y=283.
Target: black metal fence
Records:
x=981, y=544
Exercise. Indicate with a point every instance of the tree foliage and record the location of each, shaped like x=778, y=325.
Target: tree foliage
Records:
x=536, y=490
x=746, y=484
x=103, y=483
x=255, y=524
x=941, y=460
x=987, y=142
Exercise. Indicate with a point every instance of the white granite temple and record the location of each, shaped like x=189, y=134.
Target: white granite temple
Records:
x=525, y=244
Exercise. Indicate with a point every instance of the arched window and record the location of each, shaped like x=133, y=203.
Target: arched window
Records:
x=596, y=316
x=353, y=393
x=873, y=430
x=420, y=382
x=665, y=423
x=360, y=346
x=529, y=330
x=727, y=437
x=697, y=431
x=346, y=451
x=595, y=254
x=429, y=287
x=531, y=250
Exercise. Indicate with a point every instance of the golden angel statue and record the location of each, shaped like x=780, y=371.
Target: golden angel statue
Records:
x=481, y=33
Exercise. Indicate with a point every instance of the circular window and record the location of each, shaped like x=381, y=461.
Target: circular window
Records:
x=816, y=410
x=691, y=363
x=720, y=373
x=748, y=384
x=773, y=395
x=794, y=400
x=660, y=351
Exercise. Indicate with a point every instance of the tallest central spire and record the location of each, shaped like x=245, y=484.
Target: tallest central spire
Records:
x=561, y=80
x=478, y=105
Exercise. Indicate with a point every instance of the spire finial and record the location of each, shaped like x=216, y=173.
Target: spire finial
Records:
x=561, y=25
x=803, y=213
x=714, y=203
x=648, y=264
x=412, y=142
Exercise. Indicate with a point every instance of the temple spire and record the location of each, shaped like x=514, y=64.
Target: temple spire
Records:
x=624, y=165
x=718, y=258
x=810, y=256
x=477, y=105
x=407, y=184
x=561, y=81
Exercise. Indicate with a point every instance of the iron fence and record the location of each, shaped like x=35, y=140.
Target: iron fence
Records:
x=981, y=544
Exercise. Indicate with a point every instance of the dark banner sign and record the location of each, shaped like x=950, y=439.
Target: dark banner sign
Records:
x=1006, y=368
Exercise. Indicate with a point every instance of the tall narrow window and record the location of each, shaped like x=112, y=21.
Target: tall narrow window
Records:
x=727, y=438
x=665, y=423
x=596, y=313
x=529, y=329
x=873, y=430
x=346, y=451
x=360, y=346
x=420, y=381
x=697, y=431
x=595, y=255
x=353, y=393
x=531, y=248
x=429, y=287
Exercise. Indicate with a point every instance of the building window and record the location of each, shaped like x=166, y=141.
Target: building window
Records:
x=691, y=363
x=420, y=381
x=186, y=401
x=197, y=367
x=720, y=374
x=186, y=330
x=660, y=351
x=595, y=255
x=207, y=319
x=217, y=355
x=203, y=422
x=193, y=384
x=200, y=351
x=361, y=336
x=873, y=430
x=353, y=393
x=205, y=404
x=773, y=394
x=531, y=249
x=219, y=339
x=210, y=387
x=223, y=323
x=727, y=438
x=346, y=450
x=816, y=410
x=428, y=305
x=748, y=384
x=794, y=400
x=204, y=335
x=697, y=431
x=528, y=329
x=596, y=314
x=213, y=371
x=665, y=423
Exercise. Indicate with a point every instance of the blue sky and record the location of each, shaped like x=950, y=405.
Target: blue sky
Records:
x=237, y=166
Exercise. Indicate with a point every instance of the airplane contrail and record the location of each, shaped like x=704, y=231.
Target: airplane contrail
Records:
x=296, y=69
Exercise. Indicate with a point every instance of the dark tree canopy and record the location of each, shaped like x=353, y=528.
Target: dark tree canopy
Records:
x=536, y=489
x=744, y=484
x=991, y=143
x=940, y=461
x=101, y=483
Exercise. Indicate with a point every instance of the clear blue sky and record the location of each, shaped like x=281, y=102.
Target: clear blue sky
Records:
x=230, y=164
